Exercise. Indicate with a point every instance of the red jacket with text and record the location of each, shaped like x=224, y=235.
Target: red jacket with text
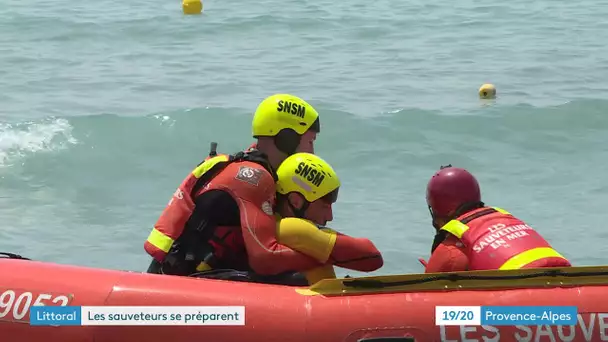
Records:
x=492, y=239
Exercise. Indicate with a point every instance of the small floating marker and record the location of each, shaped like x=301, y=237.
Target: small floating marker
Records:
x=192, y=6
x=487, y=91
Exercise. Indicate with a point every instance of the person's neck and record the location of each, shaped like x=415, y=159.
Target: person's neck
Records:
x=467, y=210
x=274, y=157
x=282, y=208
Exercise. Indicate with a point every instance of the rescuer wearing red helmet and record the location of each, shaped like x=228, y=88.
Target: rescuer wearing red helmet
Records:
x=221, y=216
x=472, y=236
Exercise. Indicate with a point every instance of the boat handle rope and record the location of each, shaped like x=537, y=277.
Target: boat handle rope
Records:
x=369, y=283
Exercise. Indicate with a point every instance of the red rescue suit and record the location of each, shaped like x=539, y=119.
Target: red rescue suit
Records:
x=491, y=239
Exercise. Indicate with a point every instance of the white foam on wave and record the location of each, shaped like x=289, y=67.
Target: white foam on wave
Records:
x=18, y=140
x=164, y=118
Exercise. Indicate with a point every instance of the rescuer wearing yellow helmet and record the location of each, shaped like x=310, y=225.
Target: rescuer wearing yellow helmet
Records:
x=307, y=187
x=283, y=125
x=221, y=216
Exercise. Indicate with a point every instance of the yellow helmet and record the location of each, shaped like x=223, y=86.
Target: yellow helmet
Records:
x=283, y=111
x=309, y=175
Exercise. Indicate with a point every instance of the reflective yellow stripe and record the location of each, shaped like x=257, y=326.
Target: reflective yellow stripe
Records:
x=524, y=258
x=160, y=240
x=458, y=228
x=203, y=266
x=455, y=228
x=208, y=164
x=500, y=210
x=322, y=272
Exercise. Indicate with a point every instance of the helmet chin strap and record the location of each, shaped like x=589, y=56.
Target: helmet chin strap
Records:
x=435, y=225
x=298, y=212
x=434, y=219
x=287, y=141
x=440, y=235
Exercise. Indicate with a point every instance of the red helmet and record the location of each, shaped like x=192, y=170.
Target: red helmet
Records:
x=449, y=189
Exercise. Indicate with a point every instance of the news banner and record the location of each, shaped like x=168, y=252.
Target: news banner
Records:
x=235, y=315
x=506, y=315
x=137, y=315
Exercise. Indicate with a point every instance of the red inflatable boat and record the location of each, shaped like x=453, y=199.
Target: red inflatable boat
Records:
x=369, y=309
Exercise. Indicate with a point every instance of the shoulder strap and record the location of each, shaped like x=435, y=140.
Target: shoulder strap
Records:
x=461, y=224
x=208, y=175
x=252, y=155
x=258, y=157
x=471, y=217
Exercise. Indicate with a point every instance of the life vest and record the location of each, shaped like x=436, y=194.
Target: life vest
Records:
x=496, y=240
x=172, y=221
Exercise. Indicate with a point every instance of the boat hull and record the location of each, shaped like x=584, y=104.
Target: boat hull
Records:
x=274, y=312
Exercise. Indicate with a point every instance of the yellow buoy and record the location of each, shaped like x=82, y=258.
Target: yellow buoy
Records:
x=487, y=91
x=192, y=6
